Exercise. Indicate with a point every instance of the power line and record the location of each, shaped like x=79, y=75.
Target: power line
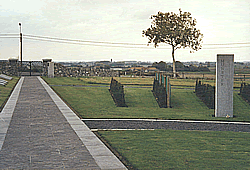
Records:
x=77, y=43
x=83, y=41
x=229, y=43
x=109, y=44
x=1, y=34
x=9, y=37
x=119, y=46
x=118, y=43
x=225, y=47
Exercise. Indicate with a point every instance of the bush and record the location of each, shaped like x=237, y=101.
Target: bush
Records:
x=160, y=94
x=117, y=92
x=245, y=91
x=206, y=93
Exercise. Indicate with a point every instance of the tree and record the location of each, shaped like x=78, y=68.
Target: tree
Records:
x=177, y=30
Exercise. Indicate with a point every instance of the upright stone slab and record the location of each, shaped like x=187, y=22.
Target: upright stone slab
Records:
x=224, y=85
x=51, y=70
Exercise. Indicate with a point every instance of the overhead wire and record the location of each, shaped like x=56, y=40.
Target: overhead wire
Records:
x=9, y=37
x=114, y=44
x=119, y=43
x=83, y=41
x=98, y=45
x=3, y=34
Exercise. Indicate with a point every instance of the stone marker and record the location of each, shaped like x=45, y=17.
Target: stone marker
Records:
x=51, y=70
x=224, y=85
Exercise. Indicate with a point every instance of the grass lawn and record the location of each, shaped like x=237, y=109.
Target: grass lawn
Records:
x=96, y=102
x=161, y=149
x=6, y=90
x=170, y=149
x=126, y=81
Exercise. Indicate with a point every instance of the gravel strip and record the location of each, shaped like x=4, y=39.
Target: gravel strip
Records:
x=142, y=124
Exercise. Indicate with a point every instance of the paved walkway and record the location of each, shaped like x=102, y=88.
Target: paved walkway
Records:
x=39, y=131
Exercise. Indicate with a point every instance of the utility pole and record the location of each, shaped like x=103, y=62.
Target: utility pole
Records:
x=21, y=43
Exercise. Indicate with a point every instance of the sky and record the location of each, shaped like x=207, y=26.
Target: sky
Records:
x=106, y=23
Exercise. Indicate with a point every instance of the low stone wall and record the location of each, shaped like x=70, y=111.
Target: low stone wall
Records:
x=10, y=68
x=13, y=68
x=62, y=71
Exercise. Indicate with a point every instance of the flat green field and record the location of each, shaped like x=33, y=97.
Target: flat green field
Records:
x=127, y=81
x=161, y=149
x=6, y=90
x=96, y=102
x=169, y=149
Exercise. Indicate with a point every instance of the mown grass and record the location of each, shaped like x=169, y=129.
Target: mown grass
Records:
x=96, y=102
x=163, y=149
x=169, y=149
x=5, y=91
x=128, y=81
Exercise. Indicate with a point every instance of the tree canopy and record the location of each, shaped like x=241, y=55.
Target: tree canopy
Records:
x=177, y=30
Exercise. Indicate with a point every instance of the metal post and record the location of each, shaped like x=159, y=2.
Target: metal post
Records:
x=165, y=83
x=30, y=68
x=168, y=92
x=21, y=44
x=159, y=77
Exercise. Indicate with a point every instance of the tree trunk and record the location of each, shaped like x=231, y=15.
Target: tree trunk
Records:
x=174, y=71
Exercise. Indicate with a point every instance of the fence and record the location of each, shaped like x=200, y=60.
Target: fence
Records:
x=162, y=90
x=206, y=93
x=117, y=92
x=13, y=67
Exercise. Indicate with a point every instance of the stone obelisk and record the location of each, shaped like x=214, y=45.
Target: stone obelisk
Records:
x=224, y=85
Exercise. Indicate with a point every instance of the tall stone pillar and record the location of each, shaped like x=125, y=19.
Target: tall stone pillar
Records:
x=224, y=85
x=45, y=66
x=51, y=70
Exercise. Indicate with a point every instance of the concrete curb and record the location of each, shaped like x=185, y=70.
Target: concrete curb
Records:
x=172, y=120
x=7, y=112
x=104, y=158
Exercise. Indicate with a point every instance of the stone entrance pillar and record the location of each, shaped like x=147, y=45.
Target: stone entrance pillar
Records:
x=224, y=85
x=45, y=66
x=51, y=70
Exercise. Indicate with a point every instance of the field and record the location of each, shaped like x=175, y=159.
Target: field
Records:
x=157, y=149
x=161, y=149
x=169, y=149
x=6, y=90
x=127, y=81
x=96, y=102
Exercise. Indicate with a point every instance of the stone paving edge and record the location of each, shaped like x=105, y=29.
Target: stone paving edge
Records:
x=7, y=112
x=104, y=158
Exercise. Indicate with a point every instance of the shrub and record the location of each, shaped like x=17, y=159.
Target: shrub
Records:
x=117, y=92
x=206, y=93
x=245, y=91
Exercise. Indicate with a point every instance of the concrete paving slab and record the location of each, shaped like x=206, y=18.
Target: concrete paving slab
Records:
x=38, y=136
x=99, y=150
x=84, y=133
x=7, y=111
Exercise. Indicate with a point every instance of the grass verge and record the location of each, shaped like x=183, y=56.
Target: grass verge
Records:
x=5, y=91
x=169, y=149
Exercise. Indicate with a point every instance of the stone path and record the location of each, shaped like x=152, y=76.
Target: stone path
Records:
x=43, y=133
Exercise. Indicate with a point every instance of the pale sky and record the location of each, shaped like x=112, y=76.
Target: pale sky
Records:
x=120, y=21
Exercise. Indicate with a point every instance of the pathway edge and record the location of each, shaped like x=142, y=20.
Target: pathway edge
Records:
x=104, y=158
x=7, y=112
